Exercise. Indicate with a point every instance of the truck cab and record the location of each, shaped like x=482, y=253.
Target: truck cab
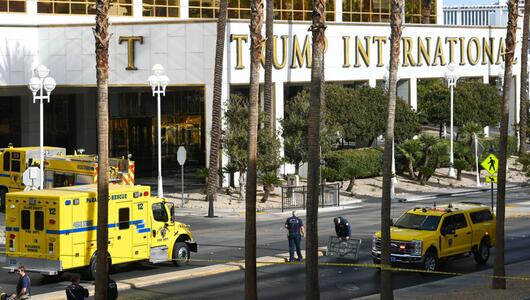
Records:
x=426, y=235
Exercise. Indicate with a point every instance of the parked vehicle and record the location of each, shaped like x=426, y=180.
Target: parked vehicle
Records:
x=50, y=231
x=426, y=235
x=59, y=169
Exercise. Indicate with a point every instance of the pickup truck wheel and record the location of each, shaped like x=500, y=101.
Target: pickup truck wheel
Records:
x=430, y=262
x=181, y=254
x=482, y=253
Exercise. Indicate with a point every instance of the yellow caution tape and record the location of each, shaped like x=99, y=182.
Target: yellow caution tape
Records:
x=325, y=264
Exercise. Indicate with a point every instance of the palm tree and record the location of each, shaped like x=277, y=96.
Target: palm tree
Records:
x=395, y=38
x=102, y=36
x=317, y=28
x=267, y=97
x=411, y=150
x=523, y=108
x=426, y=6
x=256, y=23
x=213, y=174
x=511, y=28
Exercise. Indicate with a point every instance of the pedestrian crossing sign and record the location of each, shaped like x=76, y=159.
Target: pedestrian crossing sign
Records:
x=490, y=164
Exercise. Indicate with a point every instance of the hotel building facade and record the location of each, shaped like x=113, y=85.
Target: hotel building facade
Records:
x=180, y=35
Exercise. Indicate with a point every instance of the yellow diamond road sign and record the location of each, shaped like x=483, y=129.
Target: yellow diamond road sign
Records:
x=490, y=164
x=491, y=178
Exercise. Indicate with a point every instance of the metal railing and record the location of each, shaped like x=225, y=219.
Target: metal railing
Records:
x=296, y=196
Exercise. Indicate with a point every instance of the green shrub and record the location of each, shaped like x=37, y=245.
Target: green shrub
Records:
x=330, y=174
x=494, y=141
x=369, y=162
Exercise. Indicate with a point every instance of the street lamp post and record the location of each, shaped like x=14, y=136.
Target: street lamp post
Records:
x=451, y=78
x=38, y=84
x=158, y=82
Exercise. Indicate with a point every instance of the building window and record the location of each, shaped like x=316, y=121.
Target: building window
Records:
x=379, y=11
x=161, y=8
x=239, y=9
x=13, y=6
x=204, y=9
x=83, y=7
x=300, y=10
x=413, y=11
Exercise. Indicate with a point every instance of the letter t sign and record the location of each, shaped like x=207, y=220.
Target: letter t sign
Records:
x=130, y=49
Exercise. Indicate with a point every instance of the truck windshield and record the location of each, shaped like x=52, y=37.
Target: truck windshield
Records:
x=419, y=222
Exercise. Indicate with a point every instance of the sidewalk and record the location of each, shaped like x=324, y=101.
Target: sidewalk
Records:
x=469, y=287
x=240, y=212
x=452, y=192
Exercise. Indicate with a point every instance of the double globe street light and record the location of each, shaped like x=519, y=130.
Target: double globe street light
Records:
x=41, y=85
x=452, y=77
x=158, y=82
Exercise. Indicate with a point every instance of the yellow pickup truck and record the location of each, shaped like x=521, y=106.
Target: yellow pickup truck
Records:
x=425, y=235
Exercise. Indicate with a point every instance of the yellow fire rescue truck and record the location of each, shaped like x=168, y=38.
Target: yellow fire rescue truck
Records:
x=50, y=231
x=59, y=169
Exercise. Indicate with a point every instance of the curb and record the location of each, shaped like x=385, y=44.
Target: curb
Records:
x=151, y=280
x=454, y=194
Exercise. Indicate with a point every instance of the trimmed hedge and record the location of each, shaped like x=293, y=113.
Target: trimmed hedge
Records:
x=369, y=162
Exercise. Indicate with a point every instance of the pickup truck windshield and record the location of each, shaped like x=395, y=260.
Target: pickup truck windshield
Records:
x=419, y=222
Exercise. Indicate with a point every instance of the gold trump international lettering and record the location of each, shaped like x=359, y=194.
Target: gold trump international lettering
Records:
x=364, y=51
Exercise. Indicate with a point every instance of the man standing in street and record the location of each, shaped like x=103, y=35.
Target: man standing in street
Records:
x=295, y=226
x=75, y=291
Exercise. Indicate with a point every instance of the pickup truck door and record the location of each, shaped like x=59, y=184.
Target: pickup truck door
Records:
x=447, y=241
x=463, y=234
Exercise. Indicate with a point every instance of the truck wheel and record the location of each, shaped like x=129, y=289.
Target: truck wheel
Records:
x=482, y=253
x=91, y=270
x=2, y=200
x=430, y=261
x=181, y=254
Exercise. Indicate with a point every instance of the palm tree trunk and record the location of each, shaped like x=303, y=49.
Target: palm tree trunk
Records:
x=267, y=105
x=351, y=184
x=318, y=27
x=426, y=6
x=256, y=22
x=101, y=34
x=523, y=108
x=213, y=162
x=411, y=168
x=395, y=38
x=498, y=267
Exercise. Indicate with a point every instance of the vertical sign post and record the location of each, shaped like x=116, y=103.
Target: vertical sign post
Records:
x=181, y=158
